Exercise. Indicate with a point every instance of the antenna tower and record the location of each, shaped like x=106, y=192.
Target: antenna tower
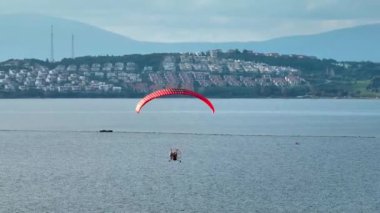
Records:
x=52, y=44
x=72, y=46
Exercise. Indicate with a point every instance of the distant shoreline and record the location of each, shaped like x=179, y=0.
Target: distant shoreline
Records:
x=214, y=74
x=260, y=98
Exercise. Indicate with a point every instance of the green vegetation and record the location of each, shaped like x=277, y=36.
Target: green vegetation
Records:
x=318, y=77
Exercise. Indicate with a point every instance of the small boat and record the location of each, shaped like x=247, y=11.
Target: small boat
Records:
x=106, y=130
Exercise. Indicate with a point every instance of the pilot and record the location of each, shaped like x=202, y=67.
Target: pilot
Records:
x=173, y=154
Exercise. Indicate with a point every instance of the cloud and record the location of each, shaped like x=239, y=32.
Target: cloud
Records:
x=206, y=20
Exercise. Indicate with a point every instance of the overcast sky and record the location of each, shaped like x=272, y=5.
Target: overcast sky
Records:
x=206, y=20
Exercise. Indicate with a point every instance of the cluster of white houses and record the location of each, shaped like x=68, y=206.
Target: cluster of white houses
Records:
x=187, y=71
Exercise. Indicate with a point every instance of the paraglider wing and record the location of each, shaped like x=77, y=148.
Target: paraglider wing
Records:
x=166, y=92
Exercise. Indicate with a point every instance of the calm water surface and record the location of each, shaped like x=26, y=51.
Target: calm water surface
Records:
x=243, y=158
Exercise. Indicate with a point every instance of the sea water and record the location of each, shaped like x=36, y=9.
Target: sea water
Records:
x=266, y=155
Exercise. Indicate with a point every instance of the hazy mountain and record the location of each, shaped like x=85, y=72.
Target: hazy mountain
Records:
x=358, y=43
x=28, y=36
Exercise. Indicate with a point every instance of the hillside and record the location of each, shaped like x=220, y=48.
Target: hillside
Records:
x=232, y=74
